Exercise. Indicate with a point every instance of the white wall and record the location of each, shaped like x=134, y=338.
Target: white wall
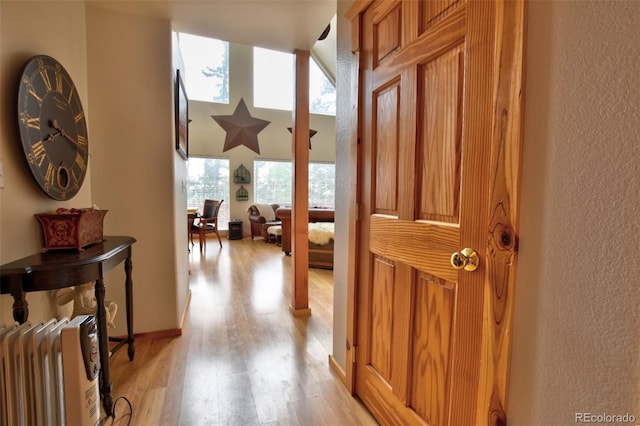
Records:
x=576, y=344
x=131, y=78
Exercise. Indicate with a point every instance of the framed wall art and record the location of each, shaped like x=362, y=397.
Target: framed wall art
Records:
x=182, y=118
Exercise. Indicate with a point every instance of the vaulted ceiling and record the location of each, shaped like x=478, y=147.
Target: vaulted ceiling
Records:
x=282, y=25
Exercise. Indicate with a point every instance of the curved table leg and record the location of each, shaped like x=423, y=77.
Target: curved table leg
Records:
x=103, y=339
x=20, y=305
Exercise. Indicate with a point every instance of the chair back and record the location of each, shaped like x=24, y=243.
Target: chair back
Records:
x=208, y=222
x=211, y=208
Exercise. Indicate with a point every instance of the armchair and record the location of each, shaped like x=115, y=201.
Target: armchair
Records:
x=261, y=217
x=207, y=222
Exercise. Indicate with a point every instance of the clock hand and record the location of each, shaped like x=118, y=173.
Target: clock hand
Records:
x=67, y=137
x=50, y=137
x=54, y=124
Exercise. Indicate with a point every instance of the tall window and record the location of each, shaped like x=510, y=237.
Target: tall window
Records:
x=206, y=63
x=274, y=183
x=208, y=178
x=273, y=83
x=322, y=180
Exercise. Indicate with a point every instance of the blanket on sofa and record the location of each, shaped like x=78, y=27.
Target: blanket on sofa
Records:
x=266, y=211
x=321, y=232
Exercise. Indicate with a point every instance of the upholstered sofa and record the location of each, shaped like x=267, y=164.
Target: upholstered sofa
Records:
x=261, y=217
x=320, y=255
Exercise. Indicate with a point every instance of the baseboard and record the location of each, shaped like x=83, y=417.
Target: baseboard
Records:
x=333, y=365
x=173, y=332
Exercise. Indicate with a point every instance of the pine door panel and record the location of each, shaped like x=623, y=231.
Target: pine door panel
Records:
x=382, y=317
x=440, y=136
x=386, y=148
x=431, y=347
x=387, y=29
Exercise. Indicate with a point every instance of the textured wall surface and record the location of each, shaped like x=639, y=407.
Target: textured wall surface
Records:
x=576, y=336
x=345, y=183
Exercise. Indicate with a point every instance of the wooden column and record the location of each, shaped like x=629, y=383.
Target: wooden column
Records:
x=300, y=209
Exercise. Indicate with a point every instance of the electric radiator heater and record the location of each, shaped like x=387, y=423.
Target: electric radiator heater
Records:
x=49, y=373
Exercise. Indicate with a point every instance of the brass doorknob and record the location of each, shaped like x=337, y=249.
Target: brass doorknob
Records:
x=466, y=259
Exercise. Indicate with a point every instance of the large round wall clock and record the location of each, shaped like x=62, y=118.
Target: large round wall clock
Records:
x=53, y=127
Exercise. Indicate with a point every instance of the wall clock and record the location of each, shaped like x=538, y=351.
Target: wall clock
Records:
x=53, y=127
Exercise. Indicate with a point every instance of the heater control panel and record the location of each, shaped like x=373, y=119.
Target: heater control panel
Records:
x=89, y=346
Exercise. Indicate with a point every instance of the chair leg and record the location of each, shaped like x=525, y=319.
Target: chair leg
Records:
x=219, y=240
x=203, y=241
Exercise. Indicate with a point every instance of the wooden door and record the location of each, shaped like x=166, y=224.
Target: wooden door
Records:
x=440, y=131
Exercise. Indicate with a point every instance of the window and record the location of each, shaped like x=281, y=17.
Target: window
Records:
x=206, y=63
x=274, y=183
x=272, y=79
x=322, y=178
x=322, y=92
x=273, y=83
x=208, y=178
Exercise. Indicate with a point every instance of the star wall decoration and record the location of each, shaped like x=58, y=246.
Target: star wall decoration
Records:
x=241, y=128
x=311, y=134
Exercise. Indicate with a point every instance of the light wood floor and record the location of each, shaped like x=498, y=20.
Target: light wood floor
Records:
x=242, y=359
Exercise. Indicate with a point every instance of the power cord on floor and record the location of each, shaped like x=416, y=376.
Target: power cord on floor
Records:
x=103, y=422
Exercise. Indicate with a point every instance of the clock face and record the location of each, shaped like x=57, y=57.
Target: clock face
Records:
x=53, y=128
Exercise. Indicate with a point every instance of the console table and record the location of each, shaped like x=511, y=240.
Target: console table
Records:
x=65, y=268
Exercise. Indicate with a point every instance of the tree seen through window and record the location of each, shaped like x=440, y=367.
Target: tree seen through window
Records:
x=208, y=178
x=274, y=180
x=206, y=68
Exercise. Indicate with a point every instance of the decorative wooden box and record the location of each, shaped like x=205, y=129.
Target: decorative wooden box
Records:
x=73, y=230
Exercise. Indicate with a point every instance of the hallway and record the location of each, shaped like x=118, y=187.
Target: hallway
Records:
x=242, y=359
